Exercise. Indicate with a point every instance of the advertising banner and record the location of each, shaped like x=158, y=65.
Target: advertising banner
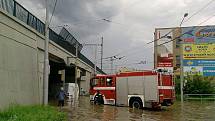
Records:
x=199, y=63
x=198, y=51
x=199, y=70
x=193, y=70
x=164, y=51
x=203, y=34
x=209, y=71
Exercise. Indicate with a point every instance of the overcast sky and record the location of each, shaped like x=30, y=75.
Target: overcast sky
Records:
x=132, y=24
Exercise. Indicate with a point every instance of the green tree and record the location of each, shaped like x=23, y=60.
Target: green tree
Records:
x=177, y=85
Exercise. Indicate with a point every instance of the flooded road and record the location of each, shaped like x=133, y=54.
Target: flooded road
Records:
x=192, y=111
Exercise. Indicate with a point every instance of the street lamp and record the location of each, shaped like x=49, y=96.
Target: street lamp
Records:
x=181, y=63
x=185, y=15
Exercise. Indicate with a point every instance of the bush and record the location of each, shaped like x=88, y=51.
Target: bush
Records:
x=196, y=85
x=32, y=113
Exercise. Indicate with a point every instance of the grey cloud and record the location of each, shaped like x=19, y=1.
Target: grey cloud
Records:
x=85, y=16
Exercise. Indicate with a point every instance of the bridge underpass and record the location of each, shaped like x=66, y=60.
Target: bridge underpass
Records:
x=56, y=76
x=60, y=73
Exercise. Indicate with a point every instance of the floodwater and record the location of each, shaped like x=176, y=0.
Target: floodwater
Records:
x=190, y=111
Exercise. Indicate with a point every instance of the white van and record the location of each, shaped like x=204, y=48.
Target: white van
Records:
x=69, y=89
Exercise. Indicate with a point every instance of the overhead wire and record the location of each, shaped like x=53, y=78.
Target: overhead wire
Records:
x=184, y=21
x=173, y=29
x=205, y=6
x=53, y=11
x=178, y=37
x=186, y=32
x=207, y=19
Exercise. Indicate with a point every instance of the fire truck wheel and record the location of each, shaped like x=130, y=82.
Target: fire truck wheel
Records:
x=137, y=104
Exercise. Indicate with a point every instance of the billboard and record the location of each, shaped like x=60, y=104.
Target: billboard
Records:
x=198, y=51
x=198, y=62
x=198, y=34
x=164, y=48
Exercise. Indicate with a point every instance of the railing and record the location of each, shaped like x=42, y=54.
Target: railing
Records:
x=200, y=97
x=15, y=9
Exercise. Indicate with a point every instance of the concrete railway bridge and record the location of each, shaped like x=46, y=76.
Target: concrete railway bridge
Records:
x=22, y=57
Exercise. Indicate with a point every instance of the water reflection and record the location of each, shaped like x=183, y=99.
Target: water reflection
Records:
x=192, y=111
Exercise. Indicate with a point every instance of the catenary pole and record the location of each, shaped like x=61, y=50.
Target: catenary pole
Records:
x=102, y=52
x=46, y=58
x=95, y=61
x=76, y=72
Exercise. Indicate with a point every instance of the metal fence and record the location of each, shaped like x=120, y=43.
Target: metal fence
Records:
x=200, y=97
x=15, y=9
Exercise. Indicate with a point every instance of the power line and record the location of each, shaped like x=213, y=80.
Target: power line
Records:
x=199, y=10
x=186, y=20
x=183, y=33
x=206, y=19
x=178, y=37
x=160, y=37
x=55, y=4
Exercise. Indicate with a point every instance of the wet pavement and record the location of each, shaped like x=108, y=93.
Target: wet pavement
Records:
x=191, y=111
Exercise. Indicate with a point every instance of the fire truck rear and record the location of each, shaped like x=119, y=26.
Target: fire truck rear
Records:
x=147, y=89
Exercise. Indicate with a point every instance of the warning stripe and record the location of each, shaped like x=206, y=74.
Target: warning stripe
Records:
x=166, y=87
x=104, y=88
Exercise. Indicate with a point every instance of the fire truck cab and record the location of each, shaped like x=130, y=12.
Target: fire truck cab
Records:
x=146, y=89
x=106, y=85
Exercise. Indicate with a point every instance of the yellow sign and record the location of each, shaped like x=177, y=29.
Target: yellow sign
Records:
x=199, y=51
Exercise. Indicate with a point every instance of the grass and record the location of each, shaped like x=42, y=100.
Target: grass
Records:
x=32, y=113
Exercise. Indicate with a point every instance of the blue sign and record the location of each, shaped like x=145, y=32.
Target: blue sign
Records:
x=199, y=62
x=204, y=34
x=208, y=71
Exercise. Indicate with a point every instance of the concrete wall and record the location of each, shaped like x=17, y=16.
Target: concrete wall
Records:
x=18, y=64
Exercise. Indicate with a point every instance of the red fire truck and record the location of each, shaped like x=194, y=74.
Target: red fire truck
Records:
x=146, y=89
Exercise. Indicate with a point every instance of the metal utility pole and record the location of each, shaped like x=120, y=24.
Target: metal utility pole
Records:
x=46, y=58
x=102, y=52
x=181, y=64
x=95, y=61
x=113, y=58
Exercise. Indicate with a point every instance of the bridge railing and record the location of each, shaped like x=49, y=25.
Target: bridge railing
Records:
x=201, y=97
x=17, y=10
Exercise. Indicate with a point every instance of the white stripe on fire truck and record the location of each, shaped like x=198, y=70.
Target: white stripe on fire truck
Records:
x=104, y=88
x=166, y=87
